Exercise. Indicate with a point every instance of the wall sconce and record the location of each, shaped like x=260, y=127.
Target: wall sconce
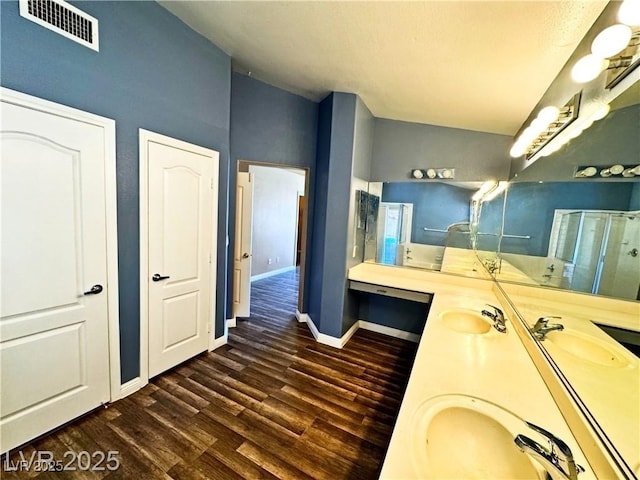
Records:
x=550, y=122
x=615, y=49
x=433, y=173
x=615, y=171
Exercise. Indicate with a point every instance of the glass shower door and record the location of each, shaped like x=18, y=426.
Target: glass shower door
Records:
x=620, y=270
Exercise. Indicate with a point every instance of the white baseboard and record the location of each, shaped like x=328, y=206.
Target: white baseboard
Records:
x=322, y=338
x=231, y=322
x=301, y=317
x=340, y=342
x=391, y=332
x=349, y=333
x=132, y=386
x=272, y=273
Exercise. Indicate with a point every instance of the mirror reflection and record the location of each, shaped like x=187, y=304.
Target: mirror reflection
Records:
x=575, y=235
x=417, y=221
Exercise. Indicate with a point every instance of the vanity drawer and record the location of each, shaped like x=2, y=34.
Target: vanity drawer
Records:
x=390, y=291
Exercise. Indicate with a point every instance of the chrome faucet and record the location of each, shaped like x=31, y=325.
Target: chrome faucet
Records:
x=498, y=318
x=557, y=460
x=542, y=327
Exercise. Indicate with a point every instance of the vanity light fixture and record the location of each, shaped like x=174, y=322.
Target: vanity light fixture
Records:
x=550, y=121
x=432, y=173
x=614, y=171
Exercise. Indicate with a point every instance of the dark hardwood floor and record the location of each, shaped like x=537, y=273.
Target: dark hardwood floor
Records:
x=272, y=403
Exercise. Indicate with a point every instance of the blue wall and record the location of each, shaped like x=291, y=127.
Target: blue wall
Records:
x=530, y=209
x=270, y=125
x=401, y=146
x=435, y=205
x=334, y=164
x=152, y=72
x=393, y=312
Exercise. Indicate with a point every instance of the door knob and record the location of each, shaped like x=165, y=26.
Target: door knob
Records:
x=633, y=252
x=94, y=290
x=157, y=277
x=245, y=255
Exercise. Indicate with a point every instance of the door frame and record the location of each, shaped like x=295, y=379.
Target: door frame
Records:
x=144, y=137
x=243, y=165
x=111, y=218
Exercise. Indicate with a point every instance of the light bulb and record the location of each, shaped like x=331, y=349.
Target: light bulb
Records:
x=518, y=149
x=629, y=13
x=538, y=125
x=587, y=172
x=528, y=135
x=616, y=169
x=549, y=114
x=588, y=68
x=417, y=173
x=611, y=40
x=431, y=173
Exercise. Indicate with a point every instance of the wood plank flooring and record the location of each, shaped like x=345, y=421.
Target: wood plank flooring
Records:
x=272, y=403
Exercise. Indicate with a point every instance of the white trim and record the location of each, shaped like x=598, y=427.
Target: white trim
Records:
x=231, y=322
x=391, y=332
x=340, y=342
x=109, y=127
x=328, y=339
x=132, y=386
x=301, y=317
x=260, y=276
x=349, y=333
x=144, y=138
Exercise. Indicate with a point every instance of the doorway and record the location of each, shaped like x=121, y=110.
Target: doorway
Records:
x=274, y=240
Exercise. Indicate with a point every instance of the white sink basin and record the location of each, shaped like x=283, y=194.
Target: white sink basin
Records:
x=465, y=321
x=587, y=347
x=463, y=437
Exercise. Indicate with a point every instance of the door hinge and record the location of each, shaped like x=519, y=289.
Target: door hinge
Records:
x=211, y=183
x=209, y=258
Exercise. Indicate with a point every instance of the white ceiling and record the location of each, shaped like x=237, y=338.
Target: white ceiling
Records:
x=477, y=65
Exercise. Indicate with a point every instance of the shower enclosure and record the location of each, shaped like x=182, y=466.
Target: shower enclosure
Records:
x=603, y=249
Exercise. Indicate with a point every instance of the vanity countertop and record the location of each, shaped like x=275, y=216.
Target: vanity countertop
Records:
x=493, y=367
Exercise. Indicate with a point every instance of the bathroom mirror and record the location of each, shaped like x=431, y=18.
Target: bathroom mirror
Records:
x=417, y=220
x=583, y=235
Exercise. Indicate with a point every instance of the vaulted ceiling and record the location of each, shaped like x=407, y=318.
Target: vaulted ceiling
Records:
x=477, y=65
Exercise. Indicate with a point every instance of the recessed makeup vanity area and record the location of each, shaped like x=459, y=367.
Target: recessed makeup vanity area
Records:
x=527, y=365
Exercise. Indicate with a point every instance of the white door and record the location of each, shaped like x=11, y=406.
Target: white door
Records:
x=242, y=250
x=182, y=199
x=54, y=343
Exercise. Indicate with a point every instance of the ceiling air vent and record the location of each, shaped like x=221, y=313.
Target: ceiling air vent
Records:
x=63, y=18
